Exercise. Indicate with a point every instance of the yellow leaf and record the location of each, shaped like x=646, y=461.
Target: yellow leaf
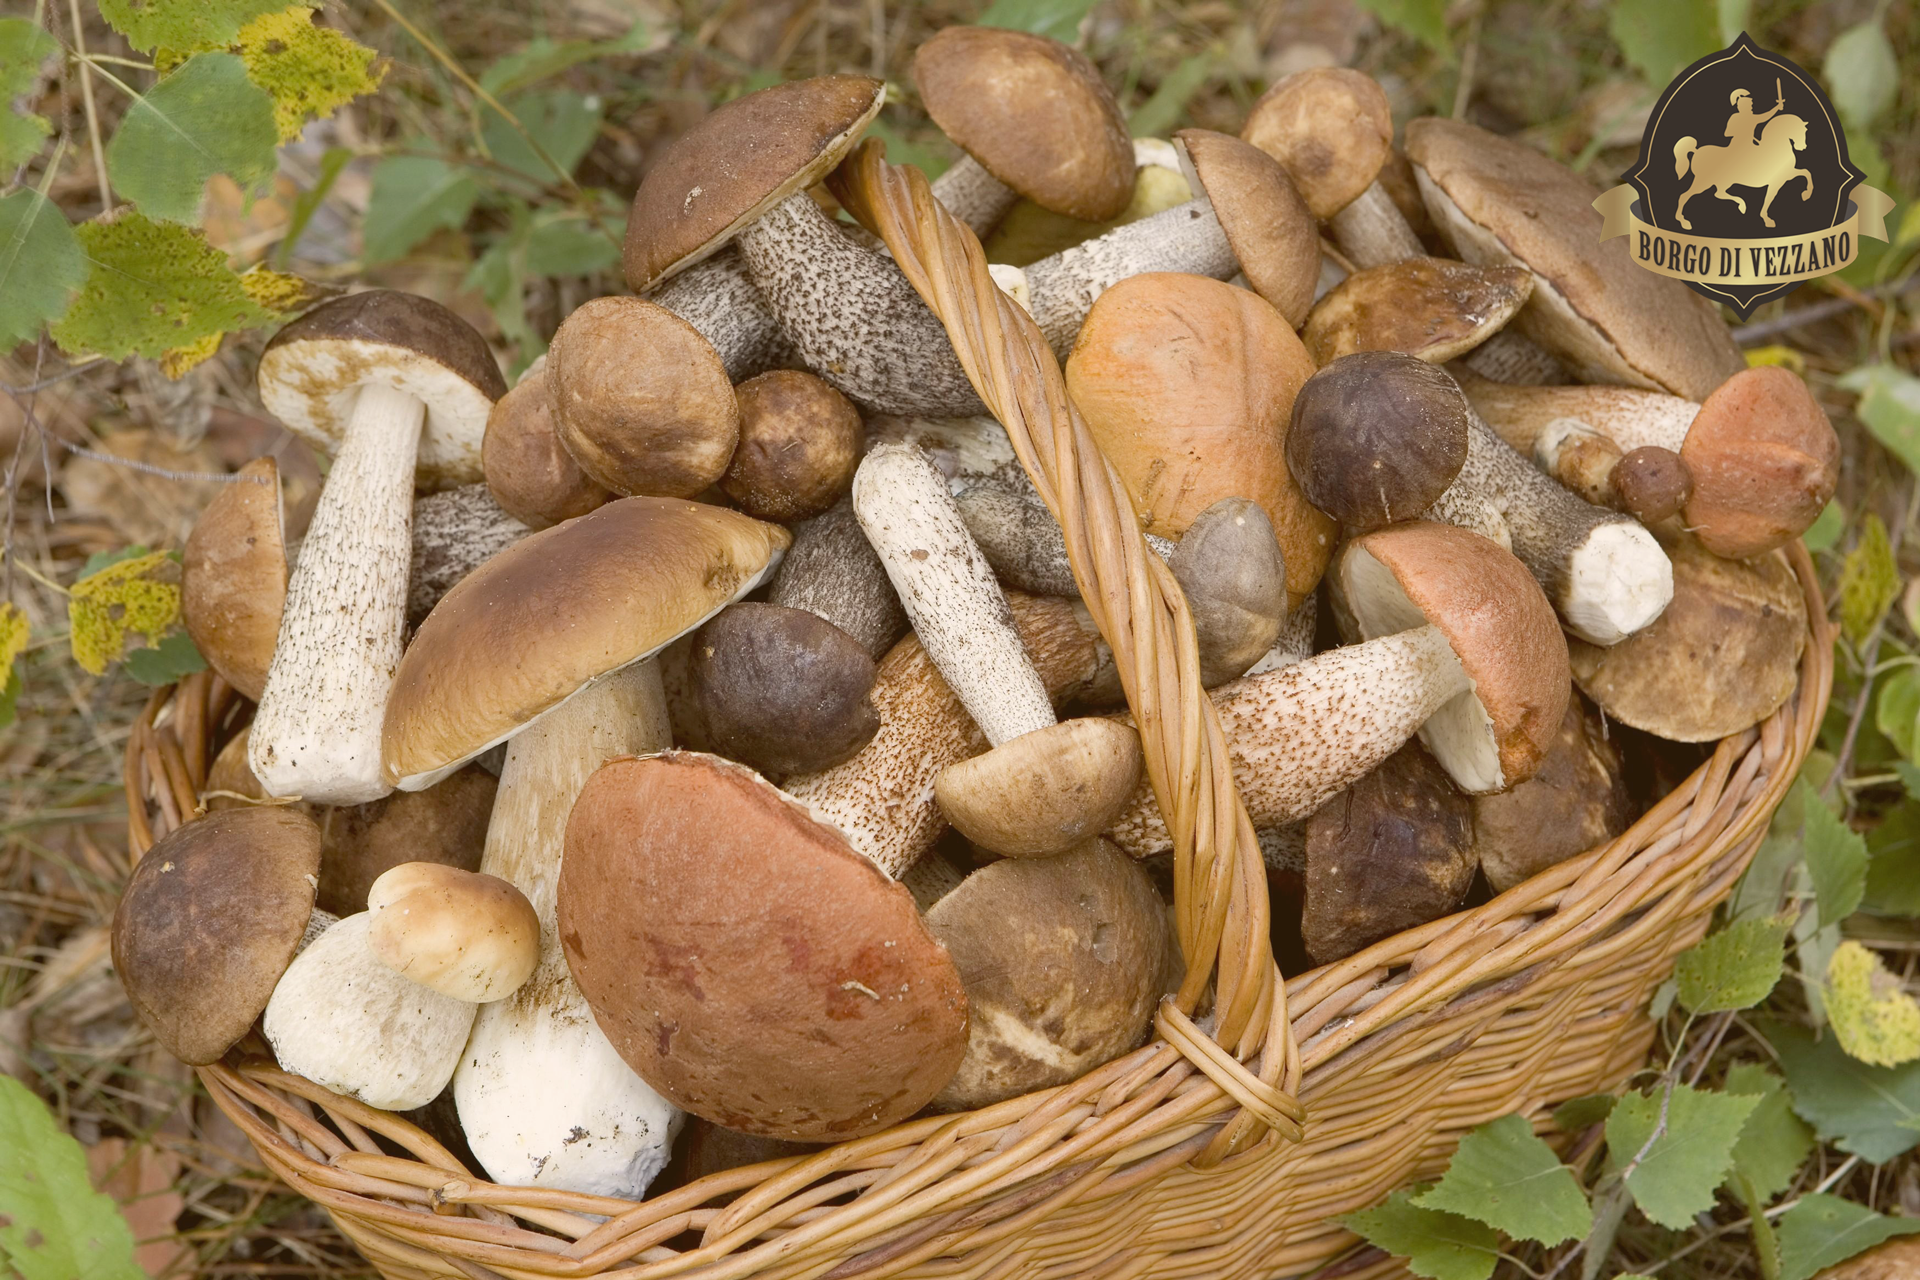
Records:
x=176, y=362
x=306, y=68
x=1876, y=1021
x=1758, y=357
x=280, y=291
x=14, y=633
x=139, y=595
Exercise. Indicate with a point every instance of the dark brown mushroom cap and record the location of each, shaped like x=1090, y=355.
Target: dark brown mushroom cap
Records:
x=1236, y=586
x=1651, y=483
x=719, y=176
x=1267, y=224
x=641, y=401
x=1034, y=113
x=782, y=690
x=210, y=920
x=562, y=607
x=1576, y=802
x=312, y=371
x=1331, y=127
x=1666, y=336
x=799, y=446
x=531, y=475
x=745, y=961
x=1377, y=437
x=233, y=577
x=1433, y=308
x=1764, y=461
x=1723, y=657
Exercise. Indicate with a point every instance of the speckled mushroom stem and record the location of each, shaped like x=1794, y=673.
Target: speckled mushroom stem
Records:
x=455, y=531
x=317, y=732
x=1020, y=538
x=973, y=195
x=1300, y=734
x=1186, y=238
x=1510, y=356
x=1372, y=232
x=718, y=298
x=831, y=571
x=852, y=316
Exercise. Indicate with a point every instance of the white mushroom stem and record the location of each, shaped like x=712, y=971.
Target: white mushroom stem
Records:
x=543, y=1097
x=1628, y=416
x=1300, y=734
x=718, y=298
x=1372, y=232
x=1186, y=238
x=949, y=592
x=973, y=195
x=317, y=732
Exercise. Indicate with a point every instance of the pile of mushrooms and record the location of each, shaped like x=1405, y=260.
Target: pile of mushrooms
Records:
x=709, y=725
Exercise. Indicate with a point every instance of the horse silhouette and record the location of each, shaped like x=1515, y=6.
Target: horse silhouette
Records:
x=1769, y=163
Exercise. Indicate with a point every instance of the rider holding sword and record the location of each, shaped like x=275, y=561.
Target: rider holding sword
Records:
x=1744, y=127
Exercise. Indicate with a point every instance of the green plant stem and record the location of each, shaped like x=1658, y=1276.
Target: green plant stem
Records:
x=86, y=100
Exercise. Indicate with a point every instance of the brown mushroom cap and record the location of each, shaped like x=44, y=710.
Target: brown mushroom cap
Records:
x=531, y=475
x=1034, y=113
x=745, y=961
x=531, y=626
x=641, y=401
x=1377, y=438
x=1651, y=483
x=470, y=936
x=1764, y=460
x=1061, y=958
x=1724, y=656
x=1236, y=586
x=312, y=371
x=1267, y=224
x=1331, y=127
x=799, y=446
x=1592, y=305
x=233, y=577
x=1432, y=308
x=1577, y=801
x=1188, y=385
x=210, y=920
x=1043, y=792
x=782, y=690
x=1501, y=628
x=749, y=155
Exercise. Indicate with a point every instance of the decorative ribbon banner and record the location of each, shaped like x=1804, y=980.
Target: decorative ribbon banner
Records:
x=1758, y=263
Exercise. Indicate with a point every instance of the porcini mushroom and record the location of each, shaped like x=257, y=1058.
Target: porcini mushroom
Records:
x=799, y=444
x=1431, y=308
x=233, y=577
x=469, y=936
x=1577, y=801
x=529, y=472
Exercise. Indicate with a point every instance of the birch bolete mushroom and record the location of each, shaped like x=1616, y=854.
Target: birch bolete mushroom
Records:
x=1033, y=118
x=454, y=532
x=799, y=444
x=546, y=647
x=400, y=388
x=233, y=577
x=1577, y=801
x=529, y=472
x=1431, y=308
x=1029, y=232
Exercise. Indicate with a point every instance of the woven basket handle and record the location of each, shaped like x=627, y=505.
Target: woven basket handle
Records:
x=1220, y=887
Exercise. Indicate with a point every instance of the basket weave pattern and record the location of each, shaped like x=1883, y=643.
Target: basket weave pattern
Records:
x=1184, y=1157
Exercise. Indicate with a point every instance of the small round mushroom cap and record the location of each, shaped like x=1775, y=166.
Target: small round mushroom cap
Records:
x=1034, y=113
x=1576, y=802
x=210, y=920
x=1499, y=201
x=233, y=577
x=718, y=177
x=531, y=475
x=1061, y=959
x=1377, y=437
x=1431, y=308
x=1331, y=127
x=1723, y=657
x=745, y=961
x=1501, y=628
x=1236, y=586
x=1267, y=224
x=1764, y=461
x=1043, y=792
x=782, y=690
x=312, y=371
x=641, y=401
x=1651, y=483
x=799, y=446
x=558, y=609
x=466, y=935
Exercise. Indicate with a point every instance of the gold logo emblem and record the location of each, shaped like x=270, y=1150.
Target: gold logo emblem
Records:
x=1743, y=204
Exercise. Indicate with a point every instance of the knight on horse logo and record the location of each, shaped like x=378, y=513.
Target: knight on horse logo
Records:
x=1744, y=249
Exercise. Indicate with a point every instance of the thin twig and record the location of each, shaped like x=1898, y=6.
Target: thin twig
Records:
x=1760, y=330
x=86, y=99
x=1469, y=63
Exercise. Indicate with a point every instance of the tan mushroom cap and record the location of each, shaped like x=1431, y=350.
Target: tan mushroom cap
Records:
x=1723, y=657
x=799, y=446
x=1188, y=385
x=1432, y=308
x=1498, y=201
x=1501, y=628
x=1043, y=792
x=745, y=961
x=470, y=936
x=1034, y=113
x=1331, y=127
x=1764, y=461
x=719, y=176
x=1576, y=802
x=536, y=623
x=530, y=474
x=210, y=920
x=233, y=577
x=1267, y=224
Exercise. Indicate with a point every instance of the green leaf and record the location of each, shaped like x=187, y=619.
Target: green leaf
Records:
x=1836, y=862
x=1869, y=581
x=1893, y=877
x=1890, y=407
x=332, y=162
x=1821, y=1230
x=1060, y=19
x=1159, y=113
x=1505, y=1176
x=562, y=121
x=153, y=288
x=205, y=118
x=1673, y=1170
x=1774, y=1142
x=1875, y=1020
x=1440, y=1246
x=41, y=265
x=1871, y=1112
x=413, y=197
x=55, y=1225
x=1733, y=15
x=1583, y=1113
x=1826, y=527
x=24, y=52
x=1424, y=20
x=167, y=662
x=306, y=69
x=183, y=26
x=1659, y=37
x=1896, y=710
x=1863, y=74
x=568, y=246
x=1735, y=968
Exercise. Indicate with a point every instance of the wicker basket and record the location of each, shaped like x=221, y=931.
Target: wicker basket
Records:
x=1184, y=1157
